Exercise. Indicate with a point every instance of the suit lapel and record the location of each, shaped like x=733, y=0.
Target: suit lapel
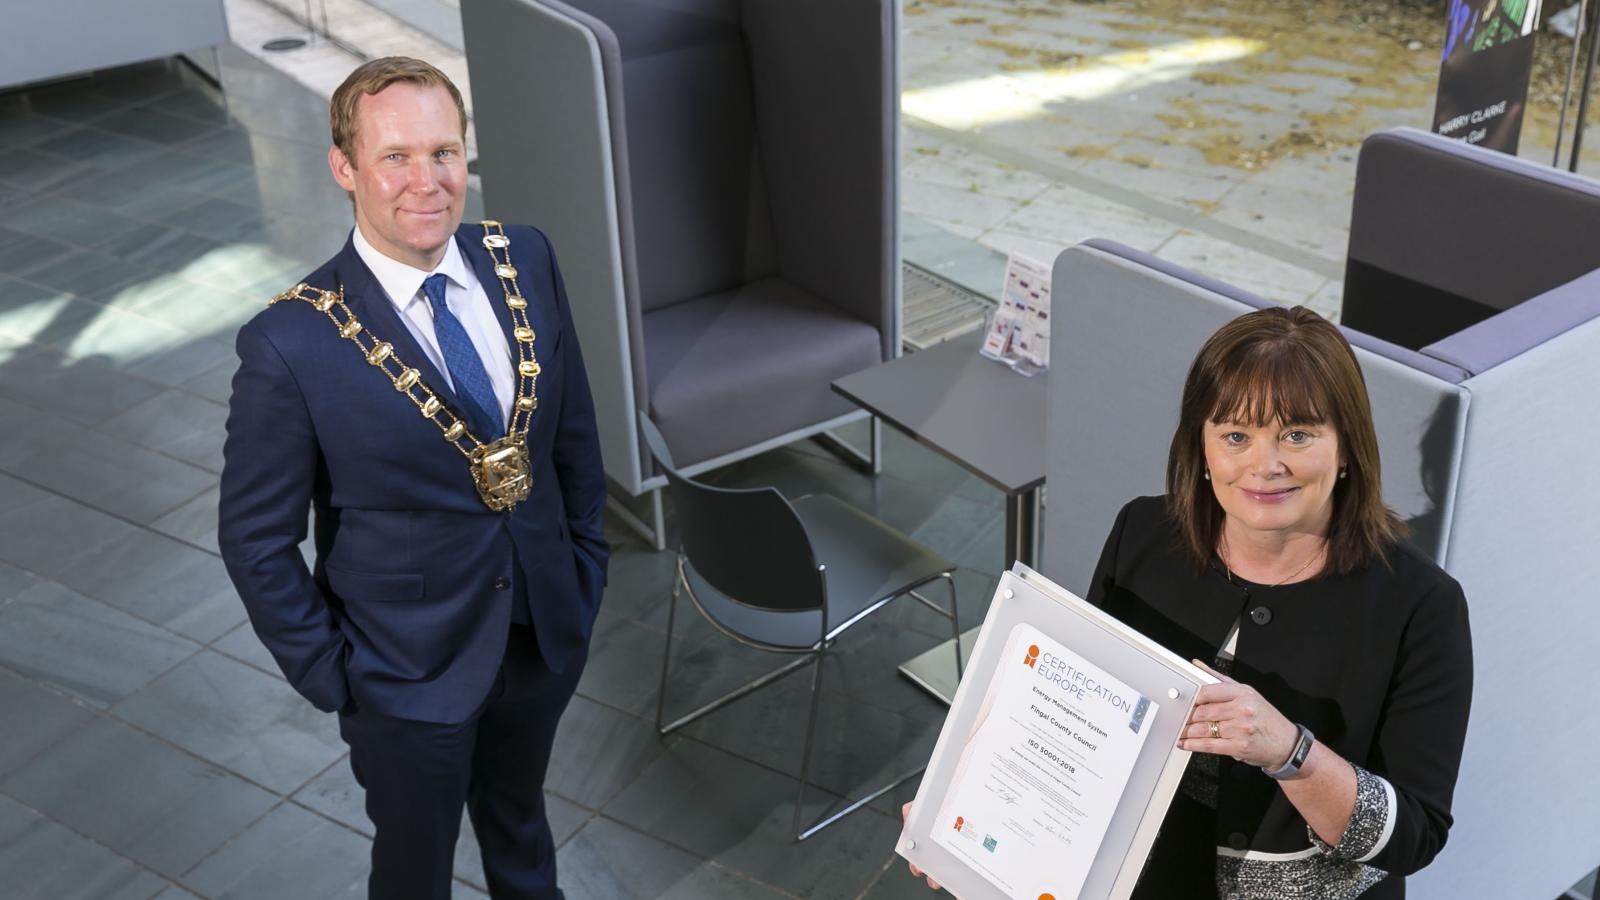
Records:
x=377, y=314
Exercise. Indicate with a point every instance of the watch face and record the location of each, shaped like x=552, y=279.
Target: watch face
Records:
x=1302, y=748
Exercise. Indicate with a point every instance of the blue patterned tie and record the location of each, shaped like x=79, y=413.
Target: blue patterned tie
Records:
x=466, y=368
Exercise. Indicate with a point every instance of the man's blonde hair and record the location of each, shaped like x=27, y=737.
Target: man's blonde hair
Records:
x=372, y=77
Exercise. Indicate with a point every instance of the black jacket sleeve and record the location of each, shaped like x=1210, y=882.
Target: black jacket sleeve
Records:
x=1105, y=570
x=268, y=470
x=1423, y=727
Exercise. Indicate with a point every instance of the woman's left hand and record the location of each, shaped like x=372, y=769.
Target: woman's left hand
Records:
x=1247, y=727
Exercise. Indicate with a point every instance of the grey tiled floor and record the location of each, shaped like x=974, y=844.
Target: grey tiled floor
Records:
x=150, y=747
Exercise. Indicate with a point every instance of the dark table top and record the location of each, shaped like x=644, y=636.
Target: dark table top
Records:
x=974, y=411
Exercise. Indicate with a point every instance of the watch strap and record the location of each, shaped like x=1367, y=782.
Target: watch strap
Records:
x=1297, y=757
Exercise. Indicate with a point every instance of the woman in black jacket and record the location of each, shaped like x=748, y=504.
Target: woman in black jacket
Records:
x=1325, y=761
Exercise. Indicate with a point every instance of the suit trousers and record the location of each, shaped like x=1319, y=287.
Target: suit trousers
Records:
x=418, y=776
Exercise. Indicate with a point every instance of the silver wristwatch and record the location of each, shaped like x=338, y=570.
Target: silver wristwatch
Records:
x=1297, y=757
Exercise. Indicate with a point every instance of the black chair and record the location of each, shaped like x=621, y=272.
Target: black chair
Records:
x=788, y=577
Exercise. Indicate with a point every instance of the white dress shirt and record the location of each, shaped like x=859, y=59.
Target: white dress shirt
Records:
x=466, y=299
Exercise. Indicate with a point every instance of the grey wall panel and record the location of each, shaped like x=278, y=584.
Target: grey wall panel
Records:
x=41, y=40
x=1522, y=544
x=545, y=156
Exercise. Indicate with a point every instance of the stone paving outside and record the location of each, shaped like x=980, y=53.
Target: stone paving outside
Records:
x=1221, y=136
x=159, y=752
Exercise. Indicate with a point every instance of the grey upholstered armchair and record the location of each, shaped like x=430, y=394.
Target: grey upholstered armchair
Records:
x=720, y=180
x=1486, y=436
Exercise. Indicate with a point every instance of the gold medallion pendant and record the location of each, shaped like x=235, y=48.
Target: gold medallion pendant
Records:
x=500, y=471
x=500, y=468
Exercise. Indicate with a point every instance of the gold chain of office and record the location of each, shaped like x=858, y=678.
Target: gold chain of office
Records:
x=500, y=469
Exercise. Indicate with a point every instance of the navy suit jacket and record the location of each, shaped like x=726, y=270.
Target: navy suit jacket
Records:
x=408, y=605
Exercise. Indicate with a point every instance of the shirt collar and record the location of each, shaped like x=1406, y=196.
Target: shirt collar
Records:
x=403, y=283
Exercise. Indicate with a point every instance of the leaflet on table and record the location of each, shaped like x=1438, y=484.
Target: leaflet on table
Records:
x=1043, y=770
x=1019, y=330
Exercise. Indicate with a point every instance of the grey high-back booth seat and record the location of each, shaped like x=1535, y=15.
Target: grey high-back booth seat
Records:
x=1444, y=235
x=719, y=179
x=1487, y=441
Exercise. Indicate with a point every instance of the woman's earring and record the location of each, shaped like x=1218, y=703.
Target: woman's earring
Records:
x=1343, y=471
x=1208, y=475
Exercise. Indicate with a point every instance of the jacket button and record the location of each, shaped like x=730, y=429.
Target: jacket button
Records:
x=1261, y=615
x=1238, y=841
x=501, y=584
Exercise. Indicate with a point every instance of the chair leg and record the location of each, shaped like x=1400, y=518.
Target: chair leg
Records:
x=805, y=770
x=665, y=728
x=955, y=622
x=811, y=730
x=666, y=656
x=659, y=520
x=877, y=446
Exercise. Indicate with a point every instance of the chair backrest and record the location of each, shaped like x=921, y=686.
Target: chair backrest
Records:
x=1444, y=235
x=686, y=146
x=755, y=139
x=749, y=544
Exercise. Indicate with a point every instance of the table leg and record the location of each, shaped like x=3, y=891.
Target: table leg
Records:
x=1022, y=528
x=935, y=670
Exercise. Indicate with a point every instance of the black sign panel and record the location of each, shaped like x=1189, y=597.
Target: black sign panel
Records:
x=1483, y=81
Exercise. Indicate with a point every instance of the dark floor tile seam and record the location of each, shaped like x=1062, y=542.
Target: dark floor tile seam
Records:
x=136, y=216
x=283, y=801
x=649, y=718
x=165, y=881
x=186, y=389
x=160, y=93
x=828, y=457
x=813, y=789
x=240, y=833
x=98, y=429
x=199, y=647
x=746, y=876
x=59, y=694
x=100, y=601
x=88, y=125
x=886, y=872
x=208, y=763
x=56, y=157
x=212, y=646
x=118, y=516
x=195, y=338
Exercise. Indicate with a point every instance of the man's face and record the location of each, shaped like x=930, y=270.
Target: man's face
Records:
x=409, y=174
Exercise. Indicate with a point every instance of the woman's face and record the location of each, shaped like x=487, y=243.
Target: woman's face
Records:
x=1276, y=478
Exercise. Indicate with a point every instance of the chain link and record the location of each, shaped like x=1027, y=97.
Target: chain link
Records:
x=408, y=381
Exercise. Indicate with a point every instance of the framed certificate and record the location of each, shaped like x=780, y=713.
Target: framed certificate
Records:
x=1059, y=756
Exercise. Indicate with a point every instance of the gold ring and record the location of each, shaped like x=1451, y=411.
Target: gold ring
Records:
x=1216, y=731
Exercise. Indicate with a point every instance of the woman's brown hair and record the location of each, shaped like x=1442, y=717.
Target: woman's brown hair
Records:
x=1293, y=367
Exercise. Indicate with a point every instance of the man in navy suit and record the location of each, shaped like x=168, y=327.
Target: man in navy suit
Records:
x=423, y=393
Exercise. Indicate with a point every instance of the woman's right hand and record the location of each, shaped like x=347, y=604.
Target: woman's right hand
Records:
x=905, y=813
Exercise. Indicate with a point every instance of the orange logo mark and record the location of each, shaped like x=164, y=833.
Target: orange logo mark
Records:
x=959, y=822
x=1047, y=897
x=1032, y=657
